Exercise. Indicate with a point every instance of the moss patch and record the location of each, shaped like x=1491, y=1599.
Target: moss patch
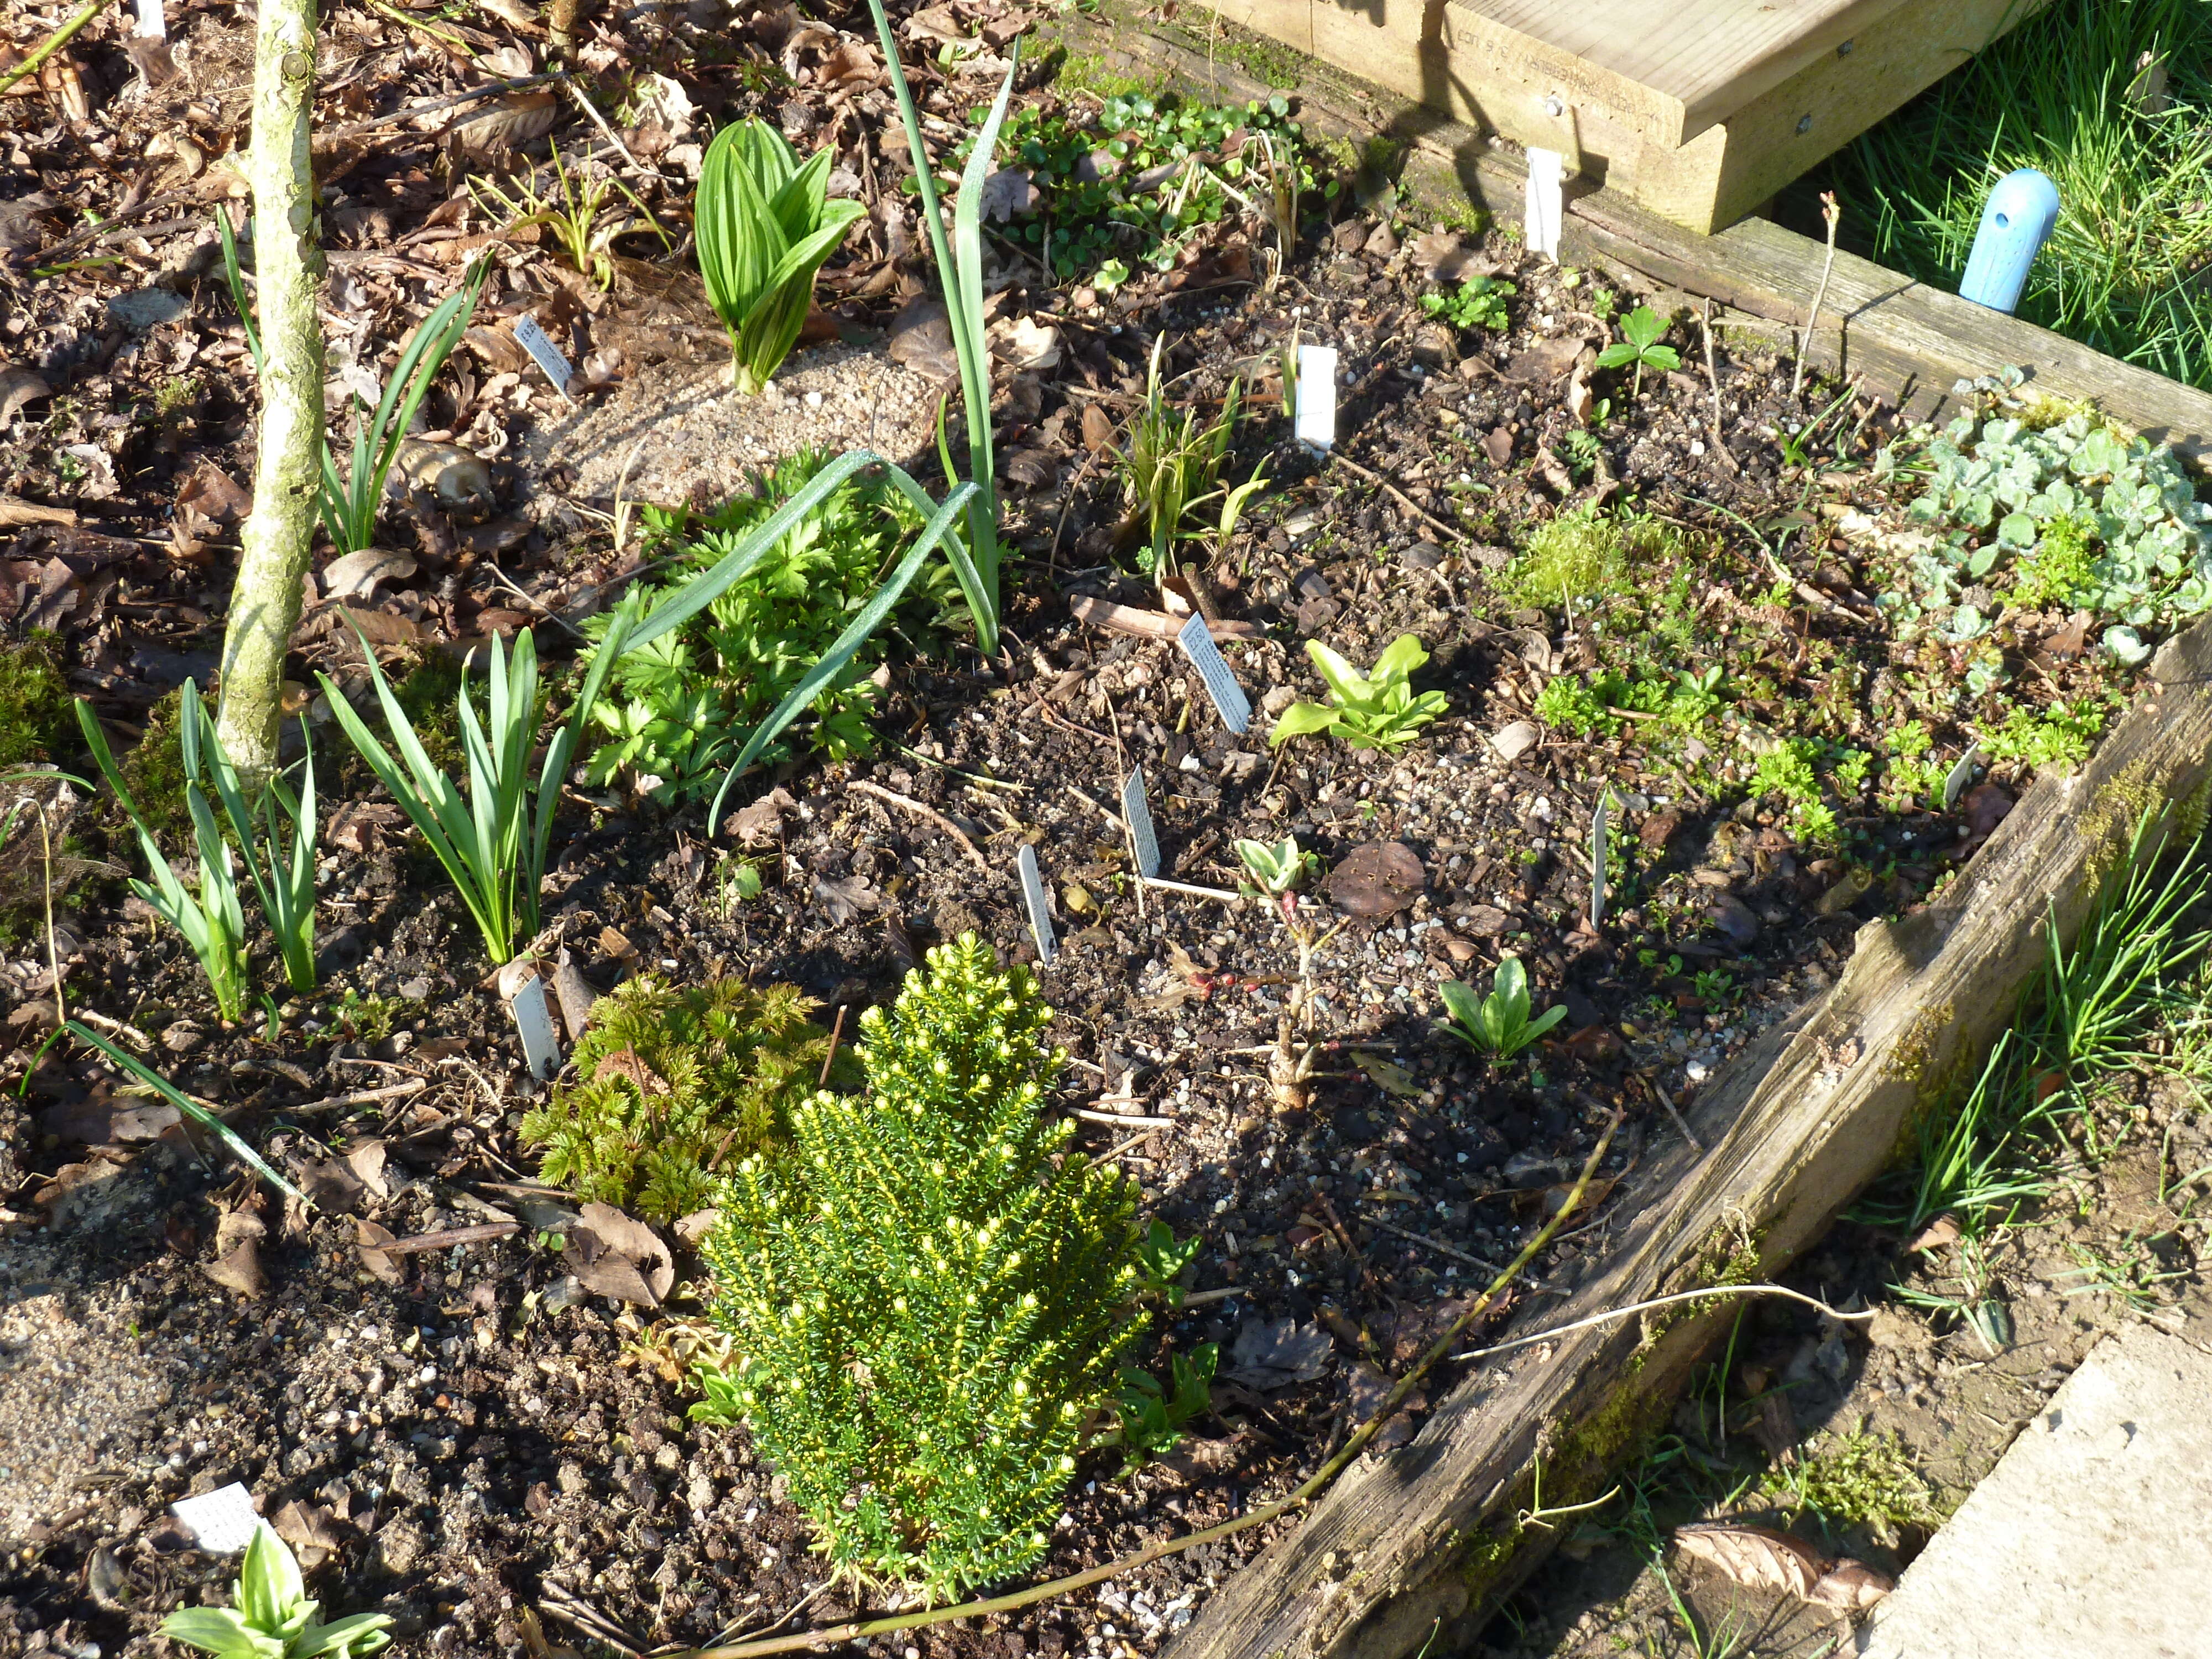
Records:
x=35, y=715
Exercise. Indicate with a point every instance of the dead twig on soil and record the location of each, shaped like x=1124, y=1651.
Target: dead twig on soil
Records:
x=1713, y=380
x=1398, y=495
x=53, y=43
x=482, y=1233
x=1532, y=1340
x=1298, y=1499
x=409, y=112
x=1832, y=215
x=930, y=812
x=363, y=1097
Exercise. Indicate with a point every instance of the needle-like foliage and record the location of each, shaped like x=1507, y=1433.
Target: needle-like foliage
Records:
x=764, y=225
x=931, y=1293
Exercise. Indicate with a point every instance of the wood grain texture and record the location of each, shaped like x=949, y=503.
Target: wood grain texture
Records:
x=1701, y=111
x=1799, y=1124
x=1706, y=58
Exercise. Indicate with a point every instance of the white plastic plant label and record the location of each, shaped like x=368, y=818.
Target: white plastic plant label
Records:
x=1544, y=205
x=1316, y=421
x=1048, y=945
x=534, y=340
x=524, y=992
x=1137, y=813
x=1229, y=699
x=221, y=1522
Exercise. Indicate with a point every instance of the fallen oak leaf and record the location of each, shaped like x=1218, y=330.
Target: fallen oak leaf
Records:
x=1757, y=1558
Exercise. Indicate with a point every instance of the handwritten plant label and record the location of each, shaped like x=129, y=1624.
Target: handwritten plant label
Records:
x=1600, y=845
x=1229, y=699
x=1048, y=946
x=1316, y=421
x=1961, y=775
x=524, y=994
x=532, y=339
x=221, y=1522
x=1137, y=813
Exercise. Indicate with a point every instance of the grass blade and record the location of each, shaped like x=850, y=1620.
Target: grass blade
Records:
x=191, y=1108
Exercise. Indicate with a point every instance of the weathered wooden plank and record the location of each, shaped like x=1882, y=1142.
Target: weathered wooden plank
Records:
x=1705, y=58
x=1799, y=1125
x=1744, y=98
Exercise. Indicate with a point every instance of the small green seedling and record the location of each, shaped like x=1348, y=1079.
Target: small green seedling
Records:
x=1276, y=869
x=1375, y=711
x=1152, y=1417
x=1640, y=332
x=275, y=1618
x=1161, y=1260
x=1478, y=304
x=1497, y=1024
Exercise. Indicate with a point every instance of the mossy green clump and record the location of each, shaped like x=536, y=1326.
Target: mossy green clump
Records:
x=35, y=716
x=930, y=1296
x=1859, y=1478
x=1586, y=554
x=678, y=1083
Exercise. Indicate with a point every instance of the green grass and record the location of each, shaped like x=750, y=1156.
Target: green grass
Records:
x=2120, y=273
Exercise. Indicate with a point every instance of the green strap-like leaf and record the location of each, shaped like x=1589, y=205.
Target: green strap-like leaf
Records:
x=832, y=661
x=191, y=1108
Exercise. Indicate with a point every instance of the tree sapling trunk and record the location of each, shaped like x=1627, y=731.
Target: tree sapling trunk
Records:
x=264, y=606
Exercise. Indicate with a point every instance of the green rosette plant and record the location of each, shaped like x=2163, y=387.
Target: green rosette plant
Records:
x=764, y=224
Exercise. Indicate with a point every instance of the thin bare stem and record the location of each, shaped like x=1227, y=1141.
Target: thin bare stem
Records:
x=1832, y=214
x=54, y=42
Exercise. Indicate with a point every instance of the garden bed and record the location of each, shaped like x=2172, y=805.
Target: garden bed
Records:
x=476, y=1440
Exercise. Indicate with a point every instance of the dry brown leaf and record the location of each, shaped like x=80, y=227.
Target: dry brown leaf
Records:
x=238, y=1269
x=310, y=1530
x=355, y=827
x=1757, y=1558
x=615, y=1254
x=366, y=1158
x=369, y=1239
x=513, y=120
x=355, y=575
x=1498, y=446
x=1098, y=430
x=1849, y=1586
x=624, y=1062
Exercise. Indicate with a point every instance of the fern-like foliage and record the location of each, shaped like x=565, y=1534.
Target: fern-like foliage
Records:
x=927, y=1299
x=678, y=1083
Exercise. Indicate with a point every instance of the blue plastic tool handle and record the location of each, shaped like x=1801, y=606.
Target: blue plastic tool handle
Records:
x=2016, y=224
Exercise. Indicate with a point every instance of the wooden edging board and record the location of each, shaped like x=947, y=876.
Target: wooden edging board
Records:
x=1798, y=1124
x=1699, y=110
x=1902, y=340
x=1412, y=1547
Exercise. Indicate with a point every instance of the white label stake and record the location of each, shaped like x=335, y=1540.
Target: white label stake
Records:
x=1033, y=897
x=532, y=339
x=1315, y=422
x=1229, y=700
x=1545, y=206
x=524, y=992
x=221, y=1522
x=1137, y=813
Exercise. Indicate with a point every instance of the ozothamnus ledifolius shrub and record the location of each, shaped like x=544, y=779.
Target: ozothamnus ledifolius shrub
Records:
x=2048, y=506
x=927, y=1299
x=677, y=1082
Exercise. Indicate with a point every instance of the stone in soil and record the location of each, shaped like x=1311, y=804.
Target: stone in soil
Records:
x=2091, y=1535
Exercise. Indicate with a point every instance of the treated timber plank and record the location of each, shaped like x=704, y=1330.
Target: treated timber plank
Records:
x=1700, y=61
x=1803, y=83
x=1798, y=1124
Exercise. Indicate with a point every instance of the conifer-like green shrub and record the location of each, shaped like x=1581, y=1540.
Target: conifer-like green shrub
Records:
x=928, y=1300
x=678, y=1082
